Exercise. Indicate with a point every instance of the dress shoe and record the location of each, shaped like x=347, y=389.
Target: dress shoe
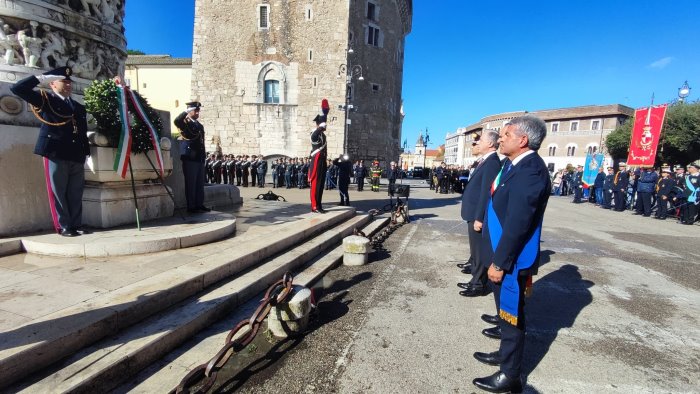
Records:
x=464, y=265
x=488, y=358
x=204, y=209
x=464, y=285
x=82, y=231
x=474, y=292
x=318, y=211
x=69, y=233
x=467, y=270
x=499, y=383
x=491, y=319
x=493, y=332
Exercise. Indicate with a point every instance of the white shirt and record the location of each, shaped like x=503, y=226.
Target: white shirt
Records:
x=522, y=156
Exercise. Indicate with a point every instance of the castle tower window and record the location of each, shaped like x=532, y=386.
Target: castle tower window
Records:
x=374, y=36
x=272, y=91
x=371, y=11
x=263, y=17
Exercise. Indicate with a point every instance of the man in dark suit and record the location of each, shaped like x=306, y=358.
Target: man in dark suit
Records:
x=62, y=142
x=620, y=183
x=193, y=155
x=474, y=200
x=577, y=183
x=512, y=229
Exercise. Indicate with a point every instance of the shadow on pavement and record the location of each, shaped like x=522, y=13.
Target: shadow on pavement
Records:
x=556, y=302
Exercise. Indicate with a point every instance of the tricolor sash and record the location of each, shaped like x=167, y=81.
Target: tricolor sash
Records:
x=510, y=289
x=693, y=197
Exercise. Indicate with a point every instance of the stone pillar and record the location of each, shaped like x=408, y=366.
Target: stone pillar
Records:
x=36, y=36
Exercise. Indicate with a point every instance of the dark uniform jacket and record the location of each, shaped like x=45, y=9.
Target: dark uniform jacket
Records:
x=476, y=194
x=192, y=143
x=665, y=186
x=599, y=180
x=344, y=169
x=608, y=183
x=360, y=172
x=61, y=142
x=621, y=181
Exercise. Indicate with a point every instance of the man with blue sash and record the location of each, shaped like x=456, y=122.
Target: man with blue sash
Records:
x=691, y=189
x=512, y=229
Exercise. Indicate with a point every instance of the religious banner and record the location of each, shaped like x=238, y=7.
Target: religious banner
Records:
x=645, y=135
x=590, y=170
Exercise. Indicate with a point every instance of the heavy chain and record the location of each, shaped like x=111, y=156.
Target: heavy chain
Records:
x=205, y=374
x=378, y=239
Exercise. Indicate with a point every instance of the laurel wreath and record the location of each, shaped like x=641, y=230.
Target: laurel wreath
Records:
x=101, y=101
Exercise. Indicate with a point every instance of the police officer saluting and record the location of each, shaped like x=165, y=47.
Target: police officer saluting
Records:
x=62, y=142
x=192, y=155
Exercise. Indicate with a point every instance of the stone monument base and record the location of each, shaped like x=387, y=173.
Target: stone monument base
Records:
x=108, y=205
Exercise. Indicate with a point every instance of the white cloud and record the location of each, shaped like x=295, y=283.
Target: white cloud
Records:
x=661, y=63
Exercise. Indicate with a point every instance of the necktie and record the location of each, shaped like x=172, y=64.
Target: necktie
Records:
x=508, y=167
x=68, y=102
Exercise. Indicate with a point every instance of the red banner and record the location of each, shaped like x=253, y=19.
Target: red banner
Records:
x=645, y=135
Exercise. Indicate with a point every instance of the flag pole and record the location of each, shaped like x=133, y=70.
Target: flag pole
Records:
x=136, y=201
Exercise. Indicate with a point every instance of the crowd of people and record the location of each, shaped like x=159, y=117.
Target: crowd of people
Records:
x=448, y=179
x=662, y=192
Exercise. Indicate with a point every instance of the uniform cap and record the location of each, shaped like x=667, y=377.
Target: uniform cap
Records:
x=622, y=164
x=666, y=170
x=61, y=71
x=195, y=104
x=696, y=166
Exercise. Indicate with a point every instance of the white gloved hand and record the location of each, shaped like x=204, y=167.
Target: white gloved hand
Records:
x=49, y=78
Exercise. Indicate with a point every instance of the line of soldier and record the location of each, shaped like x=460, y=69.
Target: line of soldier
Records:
x=448, y=179
x=643, y=190
x=241, y=170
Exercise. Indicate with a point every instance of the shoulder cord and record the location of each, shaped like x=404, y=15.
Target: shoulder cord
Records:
x=35, y=110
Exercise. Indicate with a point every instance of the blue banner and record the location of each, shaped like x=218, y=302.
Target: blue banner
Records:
x=590, y=170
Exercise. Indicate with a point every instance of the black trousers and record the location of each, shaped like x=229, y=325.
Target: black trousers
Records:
x=620, y=202
x=512, y=337
x=343, y=190
x=607, y=197
x=478, y=266
x=578, y=194
x=662, y=207
x=645, y=204
x=194, y=183
x=360, y=183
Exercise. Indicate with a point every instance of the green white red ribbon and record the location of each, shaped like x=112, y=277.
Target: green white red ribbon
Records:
x=121, y=162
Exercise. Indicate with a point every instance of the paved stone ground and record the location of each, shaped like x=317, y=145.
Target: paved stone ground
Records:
x=615, y=309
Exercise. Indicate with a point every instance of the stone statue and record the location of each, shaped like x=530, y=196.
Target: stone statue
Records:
x=31, y=48
x=9, y=44
x=108, y=12
x=54, y=47
x=82, y=66
x=91, y=8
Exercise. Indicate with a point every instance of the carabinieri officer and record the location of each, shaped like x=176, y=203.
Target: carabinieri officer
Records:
x=62, y=142
x=192, y=155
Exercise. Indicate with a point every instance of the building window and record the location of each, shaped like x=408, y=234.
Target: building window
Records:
x=272, y=91
x=552, y=150
x=595, y=125
x=573, y=126
x=263, y=17
x=144, y=85
x=311, y=55
x=592, y=149
x=555, y=127
x=315, y=82
x=373, y=34
x=371, y=11
x=309, y=13
x=571, y=150
x=375, y=87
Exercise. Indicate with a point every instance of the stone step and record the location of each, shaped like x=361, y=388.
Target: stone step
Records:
x=166, y=373
x=101, y=367
x=44, y=341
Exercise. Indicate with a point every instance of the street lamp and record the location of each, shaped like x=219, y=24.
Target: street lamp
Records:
x=425, y=150
x=350, y=71
x=683, y=91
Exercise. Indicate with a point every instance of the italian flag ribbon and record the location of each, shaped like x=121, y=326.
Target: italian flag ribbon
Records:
x=121, y=161
x=124, y=150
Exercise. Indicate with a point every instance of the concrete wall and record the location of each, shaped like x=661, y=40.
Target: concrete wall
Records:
x=24, y=200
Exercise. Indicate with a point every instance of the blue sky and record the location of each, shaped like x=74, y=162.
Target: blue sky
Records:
x=468, y=59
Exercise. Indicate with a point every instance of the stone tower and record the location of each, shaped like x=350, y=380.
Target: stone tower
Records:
x=262, y=67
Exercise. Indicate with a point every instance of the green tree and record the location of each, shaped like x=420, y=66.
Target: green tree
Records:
x=618, y=142
x=134, y=52
x=680, y=136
